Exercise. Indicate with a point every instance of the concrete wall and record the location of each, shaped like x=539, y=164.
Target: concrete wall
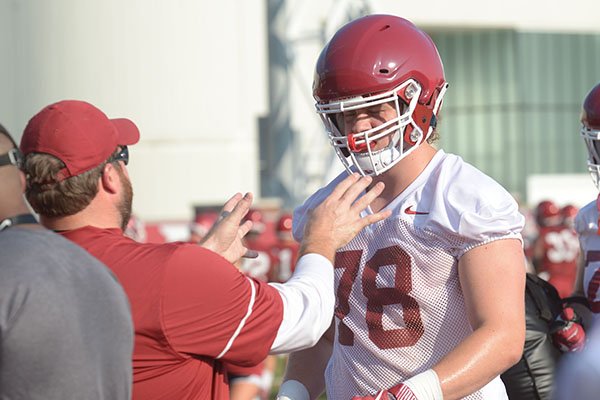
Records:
x=191, y=74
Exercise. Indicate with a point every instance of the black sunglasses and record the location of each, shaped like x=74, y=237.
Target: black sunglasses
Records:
x=13, y=157
x=122, y=155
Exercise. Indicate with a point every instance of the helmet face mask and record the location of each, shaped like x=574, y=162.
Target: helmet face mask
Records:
x=375, y=60
x=591, y=138
x=356, y=148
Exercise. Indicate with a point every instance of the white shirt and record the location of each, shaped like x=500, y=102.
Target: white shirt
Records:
x=586, y=225
x=399, y=303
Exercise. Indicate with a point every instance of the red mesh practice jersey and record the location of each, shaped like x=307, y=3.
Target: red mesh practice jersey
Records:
x=192, y=310
x=586, y=225
x=399, y=303
x=560, y=256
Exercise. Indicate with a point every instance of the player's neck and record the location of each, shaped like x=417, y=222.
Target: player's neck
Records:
x=398, y=178
x=97, y=214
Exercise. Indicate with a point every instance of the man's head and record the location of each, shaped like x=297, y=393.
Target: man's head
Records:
x=568, y=213
x=547, y=213
x=590, y=130
x=69, y=146
x=379, y=84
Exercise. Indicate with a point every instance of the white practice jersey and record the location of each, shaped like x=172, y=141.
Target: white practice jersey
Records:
x=399, y=305
x=586, y=225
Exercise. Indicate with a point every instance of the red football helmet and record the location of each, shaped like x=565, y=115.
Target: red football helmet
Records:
x=203, y=223
x=374, y=60
x=284, y=224
x=568, y=214
x=547, y=213
x=258, y=223
x=590, y=130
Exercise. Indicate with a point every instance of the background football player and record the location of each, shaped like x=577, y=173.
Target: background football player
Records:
x=556, y=249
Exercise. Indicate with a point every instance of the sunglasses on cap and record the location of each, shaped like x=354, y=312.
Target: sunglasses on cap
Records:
x=122, y=155
x=13, y=157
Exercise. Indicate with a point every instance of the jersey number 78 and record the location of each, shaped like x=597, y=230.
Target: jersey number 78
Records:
x=377, y=298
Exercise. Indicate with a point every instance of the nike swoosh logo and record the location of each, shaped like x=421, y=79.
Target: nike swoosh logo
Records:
x=410, y=211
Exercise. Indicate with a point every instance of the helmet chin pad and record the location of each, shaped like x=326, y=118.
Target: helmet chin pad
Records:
x=377, y=163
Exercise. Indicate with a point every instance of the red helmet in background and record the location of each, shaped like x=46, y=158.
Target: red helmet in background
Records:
x=547, y=213
x=284, y=224
x=590, y=130
x=203, y=222
x=258, y=222
x=568, y=214
x=373, y=60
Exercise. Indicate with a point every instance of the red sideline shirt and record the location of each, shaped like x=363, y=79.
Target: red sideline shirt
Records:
x=189, y=306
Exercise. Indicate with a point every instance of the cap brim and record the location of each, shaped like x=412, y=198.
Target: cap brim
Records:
x=128, y=132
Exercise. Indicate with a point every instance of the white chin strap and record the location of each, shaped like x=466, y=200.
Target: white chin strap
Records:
x=376, y=163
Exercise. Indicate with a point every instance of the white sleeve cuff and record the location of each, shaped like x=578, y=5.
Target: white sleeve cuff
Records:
x=425, y=386
x=308, y=302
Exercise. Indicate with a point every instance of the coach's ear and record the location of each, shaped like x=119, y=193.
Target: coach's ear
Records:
x=109, y=180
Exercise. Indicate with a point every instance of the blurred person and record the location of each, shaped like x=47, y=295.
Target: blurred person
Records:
x=136, y=229
x=202, y=224
x=286, y=249
x=65, y=324
x=418, y=314
x=552, y=328
x=192, y=309
x=556, y=250
x=568, y=213
x=259, y=241
x=587, y=223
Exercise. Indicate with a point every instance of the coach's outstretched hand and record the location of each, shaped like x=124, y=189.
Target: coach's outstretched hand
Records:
x=225, y=237
x=337, y=219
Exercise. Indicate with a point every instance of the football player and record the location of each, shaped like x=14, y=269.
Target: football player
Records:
x=568, y=213
x=586, y=222
x=286, y=249
x=579, y=377
x=260, y=240
x=201, y=225
x=556, y=249
x=430, y=302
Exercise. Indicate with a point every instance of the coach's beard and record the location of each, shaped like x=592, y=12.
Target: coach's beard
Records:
x=126, y=201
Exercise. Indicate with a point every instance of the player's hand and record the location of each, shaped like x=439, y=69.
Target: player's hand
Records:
x=568, y=335
x=337, y=219
x=226, y=235
x=398, y=392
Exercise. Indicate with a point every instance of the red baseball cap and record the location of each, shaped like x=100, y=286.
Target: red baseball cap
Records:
x=78, y=134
